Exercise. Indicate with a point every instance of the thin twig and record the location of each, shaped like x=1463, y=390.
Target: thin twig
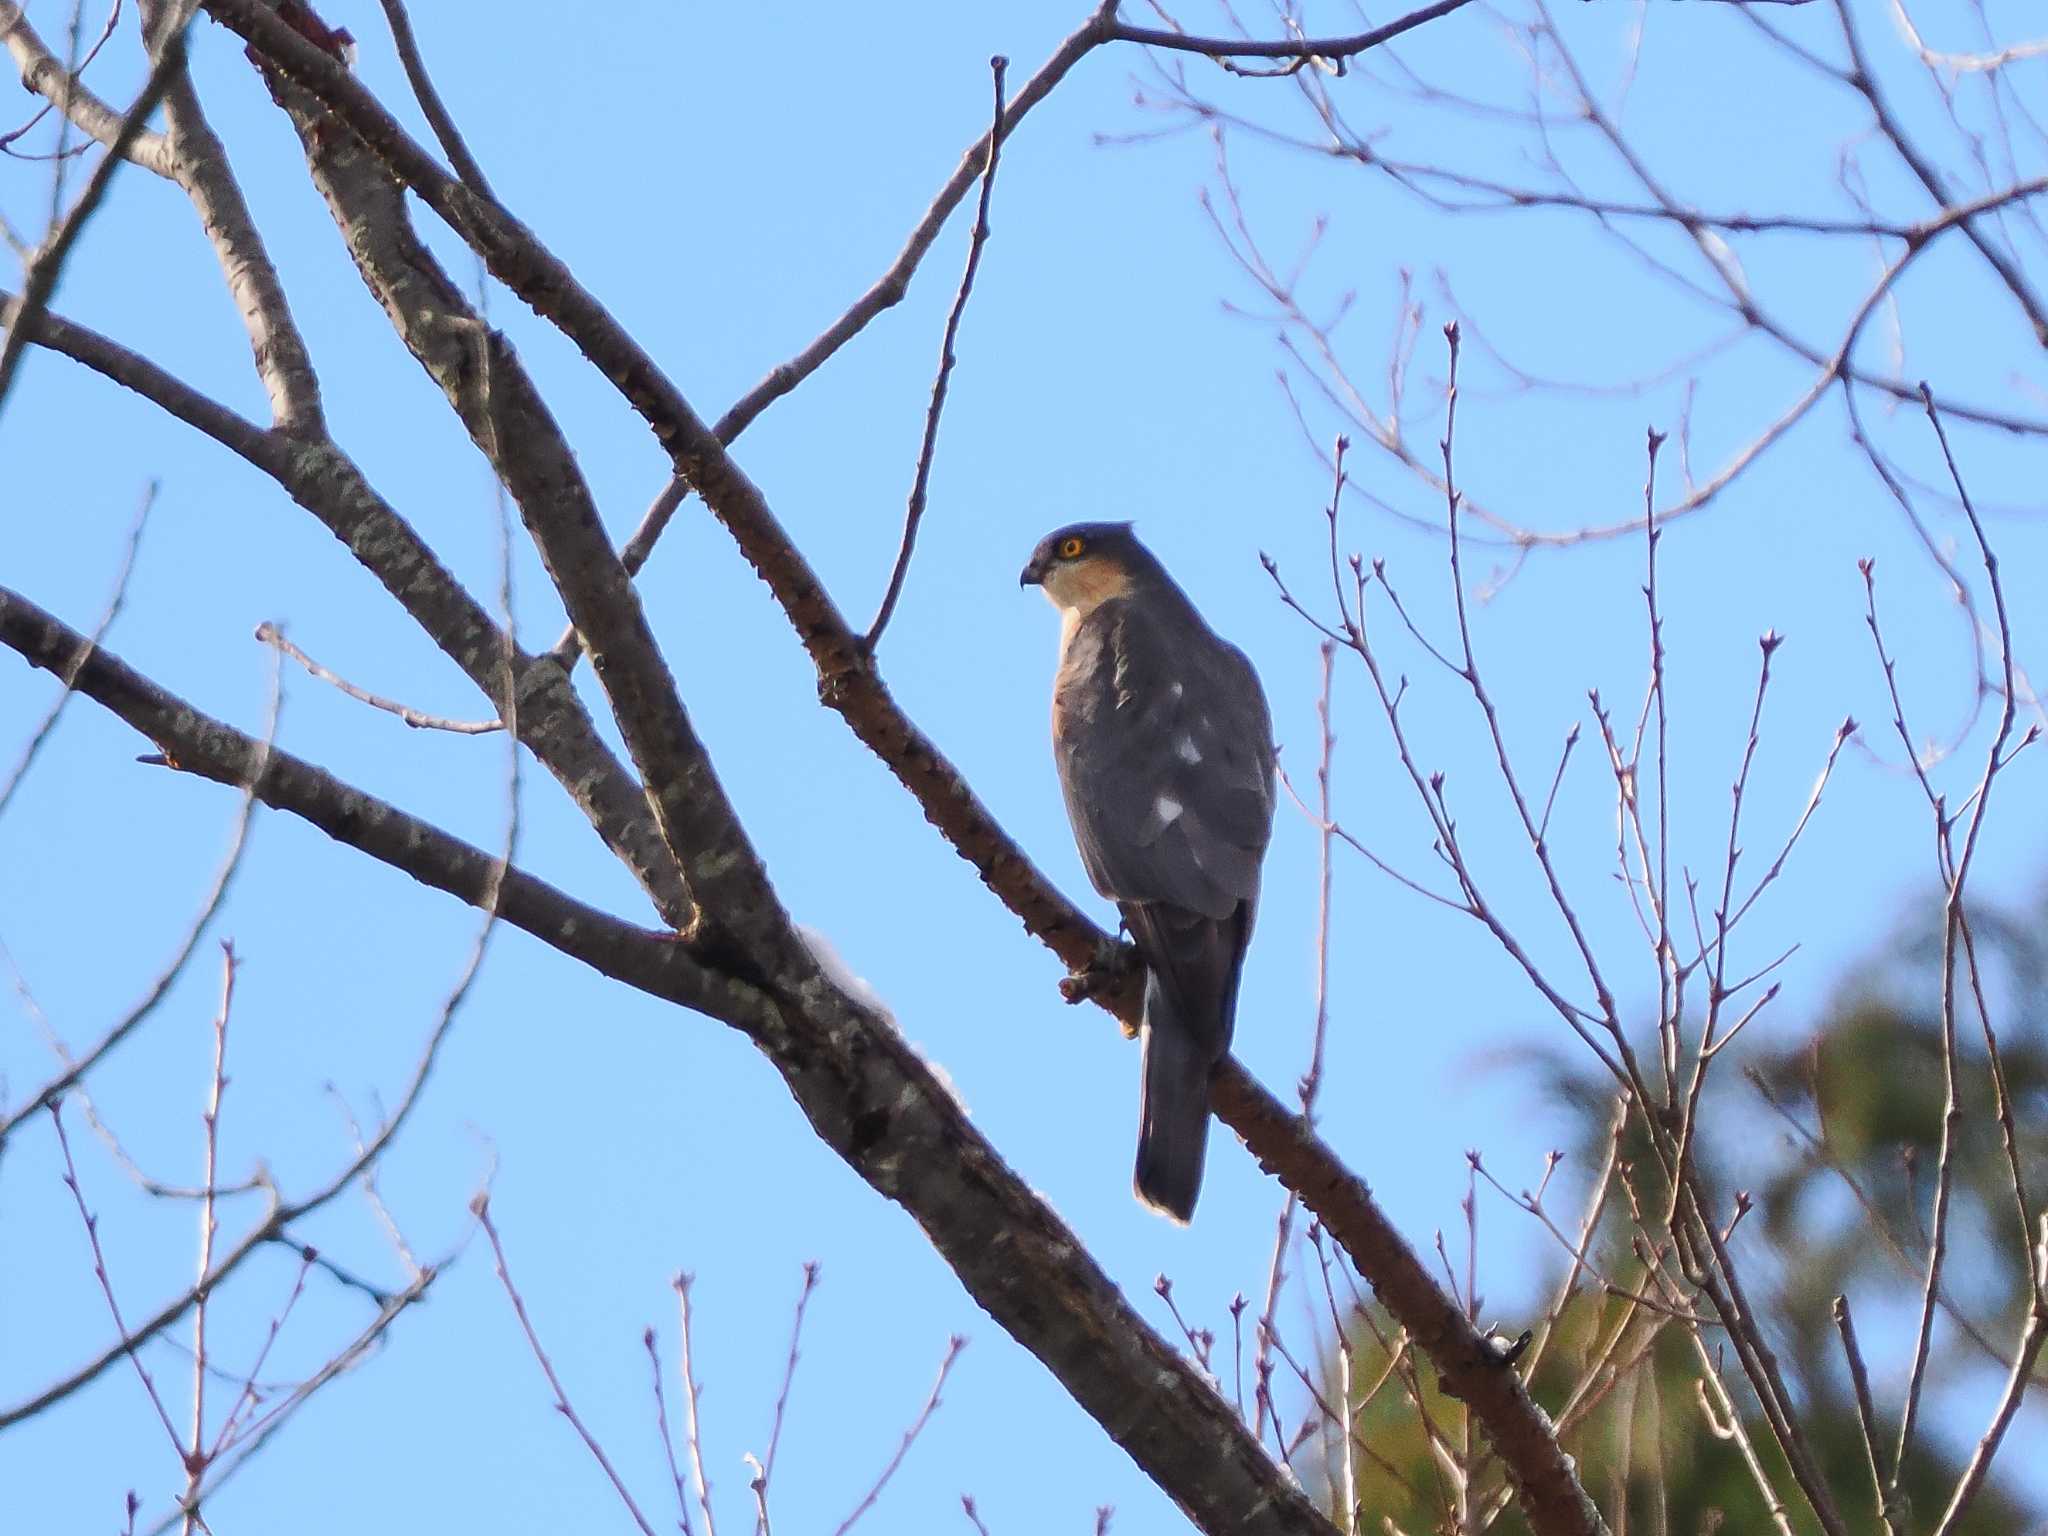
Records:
x=272, y=636
x=681, y=1285
x=77, y=1067
x=1312, y=1079
x=796, y=1333
x=759, y=1484
x=1866, y=1413
x=1718, y=992
x=2017, y=1382
x=1348, y=1463
x=668, y=1443
x=920, y=482
x=481, y=1206
x=282, y=1213
x=1263, y=1336
x=116, y=600
x=438, y=118
x=1956, y=865
x=1571, y=739
x=251, y=1441
x=40, y=280
x=885, y=292
x=1237, y=1305
x=1659, y=895
x=1581, y=1251
x=66, y=91
x=1201, y=1342
x=128, y=1340
x=953, y=1347
x=209, y=1228
x=249, y=1383
x=1726, y=1424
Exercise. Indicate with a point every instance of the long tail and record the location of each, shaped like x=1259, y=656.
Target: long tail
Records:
x=1173, y=1112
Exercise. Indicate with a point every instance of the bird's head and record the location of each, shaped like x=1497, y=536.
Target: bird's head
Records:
x=1084, y=564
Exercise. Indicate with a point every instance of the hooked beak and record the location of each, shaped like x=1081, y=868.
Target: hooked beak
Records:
x=1034, y=572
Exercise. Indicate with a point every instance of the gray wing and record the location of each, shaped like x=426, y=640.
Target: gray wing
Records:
x=1165, y=753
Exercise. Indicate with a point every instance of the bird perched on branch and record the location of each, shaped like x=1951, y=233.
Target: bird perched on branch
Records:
x=1165, y=753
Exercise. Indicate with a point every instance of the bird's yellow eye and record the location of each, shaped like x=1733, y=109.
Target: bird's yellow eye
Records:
x=1071, y=547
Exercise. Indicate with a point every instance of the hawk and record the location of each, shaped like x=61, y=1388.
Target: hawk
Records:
x=1165, y=754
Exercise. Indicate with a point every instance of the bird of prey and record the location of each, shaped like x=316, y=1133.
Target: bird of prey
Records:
x=1165, y=754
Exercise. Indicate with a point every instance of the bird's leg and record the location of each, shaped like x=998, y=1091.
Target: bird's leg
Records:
x=1109, y=971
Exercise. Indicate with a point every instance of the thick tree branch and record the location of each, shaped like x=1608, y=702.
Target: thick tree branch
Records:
x=43, y=73
x=847, y=682
x=553, y=722
x=492, y=393
x=1468, y=1365
x=545, y=283
x=198, y=744
x=198, y=162
x=863, y=1088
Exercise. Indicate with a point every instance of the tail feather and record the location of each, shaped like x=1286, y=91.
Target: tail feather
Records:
x=1173, y=1111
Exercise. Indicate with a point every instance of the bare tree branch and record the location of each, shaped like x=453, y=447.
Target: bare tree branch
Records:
x=422, y=84
x=198, y=162
x=1335, y=49
x=318, y=475
x=914, y=514
x=870, y=1097
x=40, y=280
x=44, y=73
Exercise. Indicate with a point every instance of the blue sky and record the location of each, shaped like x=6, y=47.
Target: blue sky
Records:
x=727, y=179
